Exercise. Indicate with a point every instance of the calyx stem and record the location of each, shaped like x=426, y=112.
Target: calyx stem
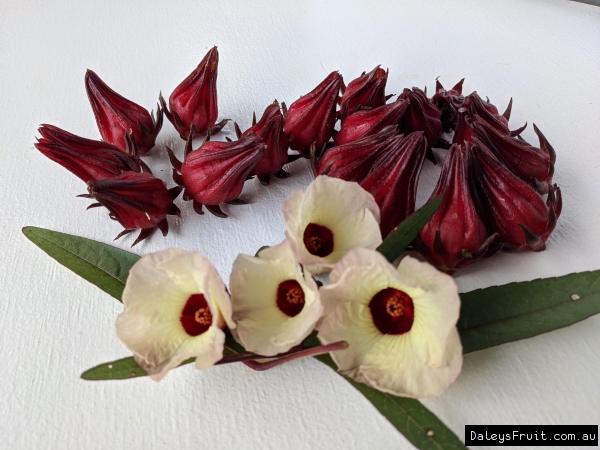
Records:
x=249, y=358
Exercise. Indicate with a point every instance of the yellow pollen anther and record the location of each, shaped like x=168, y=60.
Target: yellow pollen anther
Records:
x=202, y=316
x=295, y=296
x=394, y=306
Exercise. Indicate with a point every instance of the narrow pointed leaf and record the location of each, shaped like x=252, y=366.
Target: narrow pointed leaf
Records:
x=407, y=231
x=419, y=425
x=514, y=311
x=409, y=416
x=120, y=369
x=103, y=265
x=489, y=317
x=127, y=368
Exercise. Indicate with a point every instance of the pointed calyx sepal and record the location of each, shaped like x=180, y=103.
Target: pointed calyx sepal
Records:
x=368, y=122
x=516, y=212
x=136, y=200
x=270, y=130
x=394, y=176
x=87, y=159
x=456, y=235
x=215, y=173
x=117, y=116
x=368, y=90
x=353, y=160
x=532, y=164
x=449, y=102
x=422, y=115
x=194, y=101
x=311, y=118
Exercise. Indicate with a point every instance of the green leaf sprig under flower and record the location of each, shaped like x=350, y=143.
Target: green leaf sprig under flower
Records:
x=489, y=316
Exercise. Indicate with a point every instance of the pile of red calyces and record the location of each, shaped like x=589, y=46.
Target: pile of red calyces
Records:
x=492, y=181
x=496, y=188
x=116, y=176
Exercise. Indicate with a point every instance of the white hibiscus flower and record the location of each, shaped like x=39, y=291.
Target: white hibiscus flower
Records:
x=332, y=217
x=175, y=306
x=275, y=304
x=400, y=324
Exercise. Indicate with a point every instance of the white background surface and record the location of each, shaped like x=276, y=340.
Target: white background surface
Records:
x=54, y=325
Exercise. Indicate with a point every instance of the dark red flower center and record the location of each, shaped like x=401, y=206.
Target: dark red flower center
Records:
x=196, y=317
x=318, y=240
x=393, y=311
x=290, y=297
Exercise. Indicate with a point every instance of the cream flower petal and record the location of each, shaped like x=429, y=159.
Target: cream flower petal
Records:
x=158, y=288
x=408, y=376
x=346, y=289
x=349, y=198
x=262, y=326
x=206, y=348
x=154, y=353
x=361, y=257
x=438, y=307
x=414, y=353
x=350, y=322
x=359, y=229
x=344, y=209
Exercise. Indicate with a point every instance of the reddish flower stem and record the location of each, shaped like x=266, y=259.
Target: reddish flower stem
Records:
x=239, y=357
x=297, y=352
x=296, y=355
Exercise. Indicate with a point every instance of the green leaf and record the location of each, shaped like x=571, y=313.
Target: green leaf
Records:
x=103, y=265
x=232, y=346
x=120, y=369
x=127, y=368
x=409, y=416
x=489, y=317
x=419, y=425
x=407, y=231
x=514, y=311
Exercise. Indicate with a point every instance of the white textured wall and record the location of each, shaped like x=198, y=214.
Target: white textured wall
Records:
x=53, y=325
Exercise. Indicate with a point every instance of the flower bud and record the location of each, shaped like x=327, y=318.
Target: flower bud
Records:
x=366, y=90
x=136, y=200
x=310, y=119
x=488, y=113
x=216, y=172
x=456, y=235
x=516, y=212
x=194, y=101
x=534, y=165
x=393, y=179
x=117, y=117
x=449, y=102
x=270, y=129
x=85, y=158
x=371, y=121
x=463, y=132
x=353, y=160
x=422, y=115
